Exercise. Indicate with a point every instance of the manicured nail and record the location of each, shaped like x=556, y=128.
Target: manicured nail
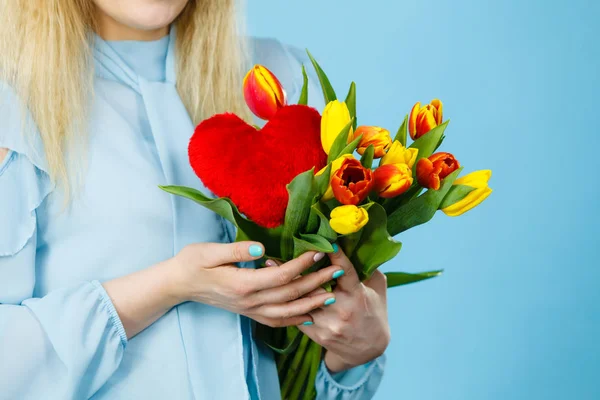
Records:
x=270, y=263
x=308, y=323
x=330, y=301
x=336, y=248
x=339, y=273
x=318, y=256
x=255, y=250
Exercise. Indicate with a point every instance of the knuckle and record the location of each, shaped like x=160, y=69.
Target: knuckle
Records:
x=346, y=315
x=247, y=303
x=276, y=323
x=242, y=289
x=236, y=253
x=293, y=293
x=281, y=277
x=336, y=331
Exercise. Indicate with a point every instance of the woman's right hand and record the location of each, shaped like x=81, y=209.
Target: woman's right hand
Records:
x=273, y=296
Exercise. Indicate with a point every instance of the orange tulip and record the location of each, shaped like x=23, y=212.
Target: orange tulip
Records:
x=392, y=180
x=373, y=135
x=430, y=171
x=423, y=119
x=352, y=183
x=263, y=92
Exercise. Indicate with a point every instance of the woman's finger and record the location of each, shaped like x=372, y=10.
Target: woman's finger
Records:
x=349, y=280
x=275, y=276
x=301, y=320
x=294, y=308
x=297, y=287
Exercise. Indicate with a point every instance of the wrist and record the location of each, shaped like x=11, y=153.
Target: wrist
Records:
x=335, y=363
x=171, y=284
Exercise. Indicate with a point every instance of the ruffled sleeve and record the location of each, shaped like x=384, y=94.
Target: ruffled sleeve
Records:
x=67, y=344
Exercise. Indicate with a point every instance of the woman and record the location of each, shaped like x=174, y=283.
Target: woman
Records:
x=110, y=288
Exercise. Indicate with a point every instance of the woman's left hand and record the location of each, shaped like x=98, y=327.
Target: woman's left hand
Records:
x=355, y=329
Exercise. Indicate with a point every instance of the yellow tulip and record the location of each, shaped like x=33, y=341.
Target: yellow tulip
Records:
x=478, y=180
x=348, y=219
x=398, y=154
x=335, y=117
x=335, y=165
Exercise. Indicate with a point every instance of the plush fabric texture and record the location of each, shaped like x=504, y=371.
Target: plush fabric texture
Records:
x=252, y=167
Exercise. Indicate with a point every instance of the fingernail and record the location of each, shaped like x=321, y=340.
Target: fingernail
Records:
x=336, y=248
x=270, y=263
x=308, y=323
x=330, y=301
x=255, y=250
x=339, y=273
x=318, y=256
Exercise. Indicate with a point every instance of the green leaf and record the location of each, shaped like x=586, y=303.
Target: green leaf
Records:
x=428, y=143
x=246, y=229
x=420, y=210
x=403, y=278
x=351, y=103
x=311, y=242
x=328, y=92
x=291, y=346
x=376, y=246
x=350, y=147
x=367, y=158
x=394, y=203
x=322, y=181
x=325, y=230
x=402, y=132
x=340, y=143
x=303, y=100
x=456, y=194
x=302, y=194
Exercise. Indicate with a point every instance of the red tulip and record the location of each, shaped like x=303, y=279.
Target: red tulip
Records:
x=430, y=171
x=392, y=180
x=352, y=183
x=263, y=92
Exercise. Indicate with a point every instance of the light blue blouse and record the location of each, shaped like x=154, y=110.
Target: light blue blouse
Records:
x=60, y=336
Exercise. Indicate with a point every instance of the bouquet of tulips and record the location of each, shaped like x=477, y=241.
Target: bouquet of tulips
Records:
x=314, y=191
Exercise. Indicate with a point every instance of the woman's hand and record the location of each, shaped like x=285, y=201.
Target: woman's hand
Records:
x=355, y=329
x=273, y=296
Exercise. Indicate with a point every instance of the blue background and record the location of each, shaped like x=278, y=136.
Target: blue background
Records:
x=517, y=313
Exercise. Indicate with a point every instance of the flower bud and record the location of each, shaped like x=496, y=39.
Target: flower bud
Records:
x=263, y=92
x=378, y=137
x=423, y=119
x=335, y=117
x=348, y=219
x=430, y=171
x=392, y=180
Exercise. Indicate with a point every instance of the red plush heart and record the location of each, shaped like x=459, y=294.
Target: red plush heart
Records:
x=252, y=167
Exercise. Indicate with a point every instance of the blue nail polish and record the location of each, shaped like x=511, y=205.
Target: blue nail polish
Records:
x=339, y=273
x=336, y=248
x=330, y=301
x=308, y=323
x=255, y=250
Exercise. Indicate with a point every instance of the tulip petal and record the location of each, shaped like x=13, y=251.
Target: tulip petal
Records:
x=425, y=121
x=412, y=120
x=438, y=106
x=476, y=179
x=472, y=200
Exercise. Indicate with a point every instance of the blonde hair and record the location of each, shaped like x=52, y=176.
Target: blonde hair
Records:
x=45, y=55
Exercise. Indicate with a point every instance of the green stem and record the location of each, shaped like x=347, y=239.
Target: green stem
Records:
x=310, y=391
x=291, y=372
x=301, y=379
